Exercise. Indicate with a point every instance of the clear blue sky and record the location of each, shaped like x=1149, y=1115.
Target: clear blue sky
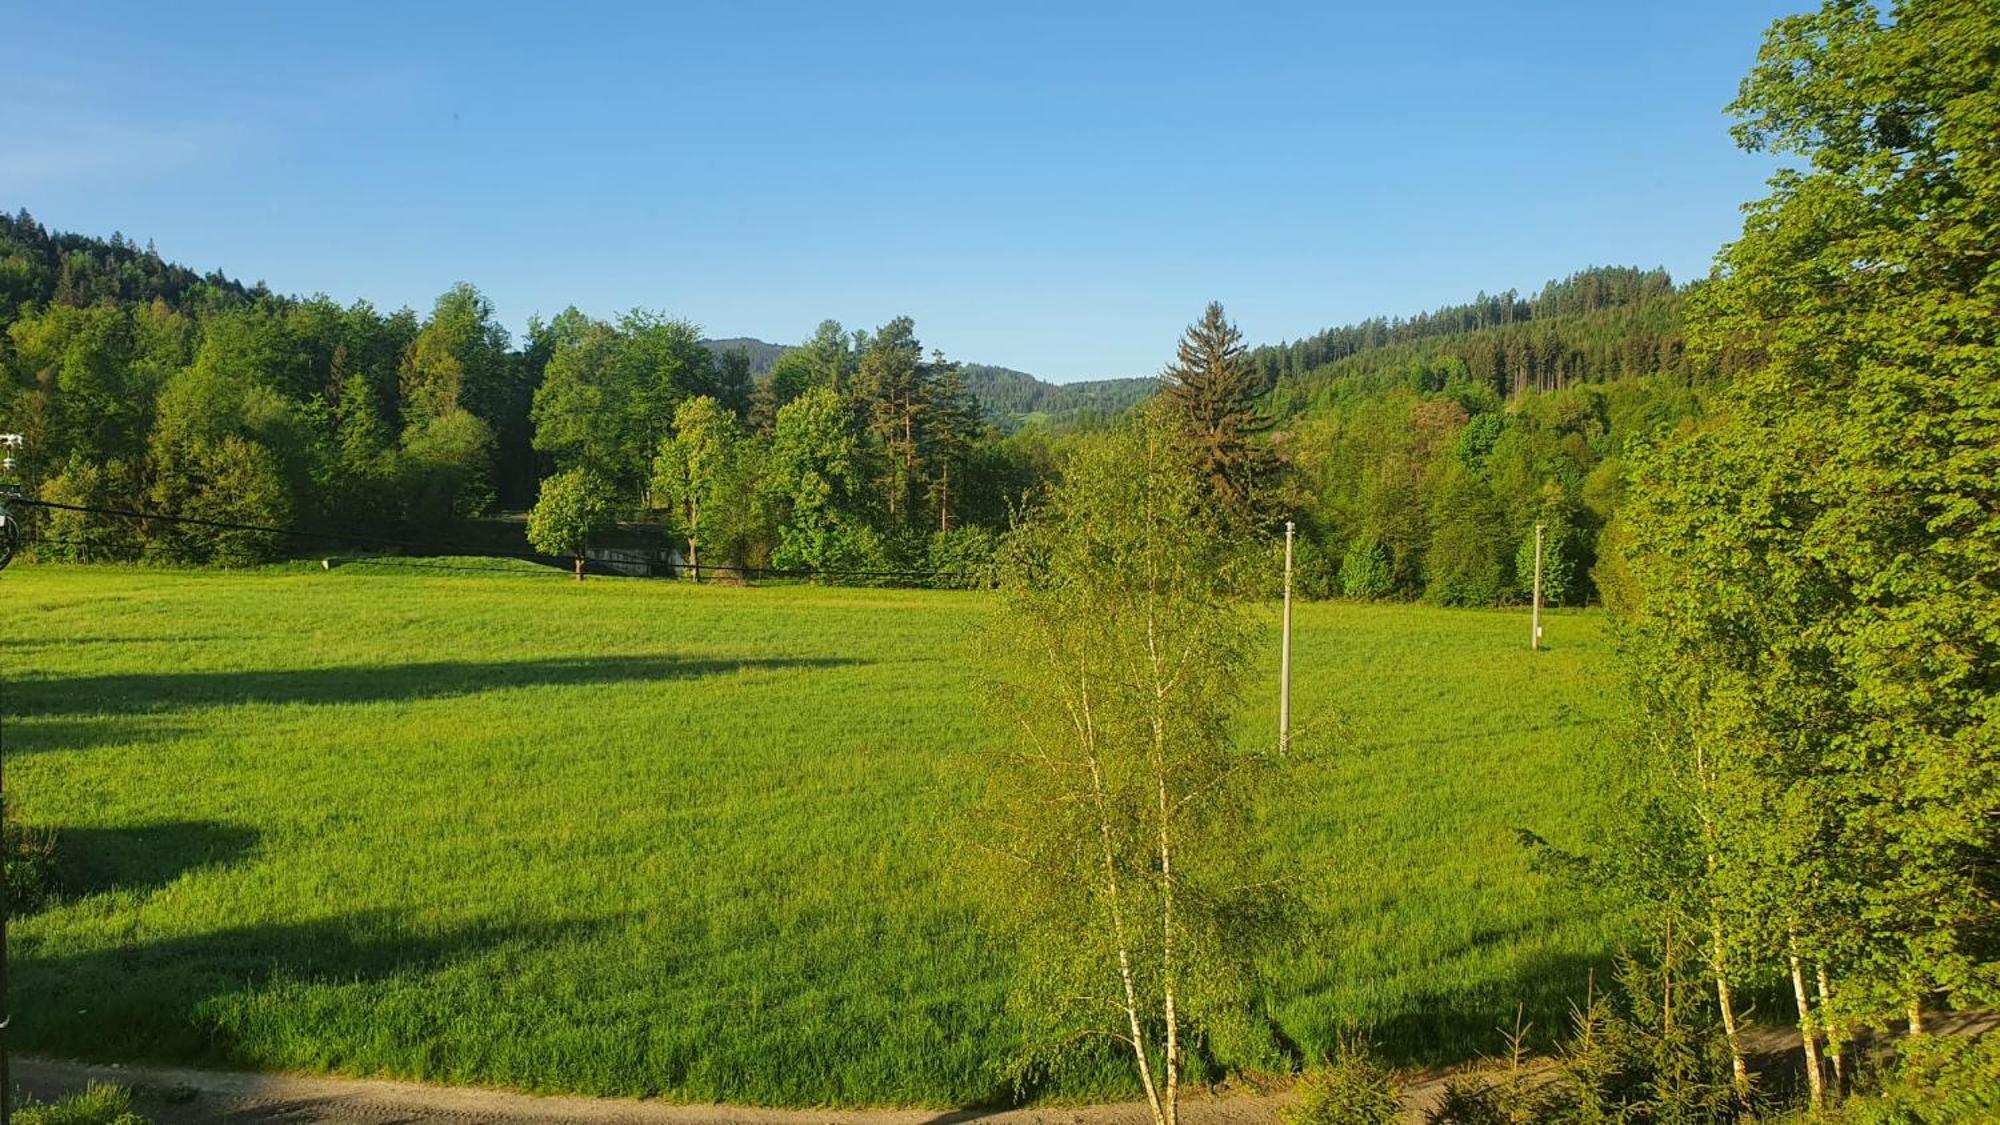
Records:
x=1057, y=188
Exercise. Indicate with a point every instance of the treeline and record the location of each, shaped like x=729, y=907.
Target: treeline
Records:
x=1416, y=468
x=1587, y=291
x=1809, y=622
x=138, y=384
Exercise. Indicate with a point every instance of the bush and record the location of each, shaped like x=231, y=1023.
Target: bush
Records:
x=81, y=536
x=232, y=480
x=964, y=558
x=1365, y=571
x=840, y=554
x=1937, y=1079
x=1560, y=546
x=30, y=861
x=1313, y=573
x=1351, y=1089
x=98, y=1104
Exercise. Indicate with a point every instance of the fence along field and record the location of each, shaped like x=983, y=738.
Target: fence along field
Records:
x=644, y=838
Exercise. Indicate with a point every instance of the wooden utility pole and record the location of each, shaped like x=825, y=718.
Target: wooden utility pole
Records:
x=1535, y=638
x=1285, y=655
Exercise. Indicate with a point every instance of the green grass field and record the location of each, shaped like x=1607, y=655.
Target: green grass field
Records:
x=645, y=838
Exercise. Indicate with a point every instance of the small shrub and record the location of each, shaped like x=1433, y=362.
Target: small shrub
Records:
x=1351, y=1089
x=98, y=1104
x=1468, y=1101
x=1365, y=572
x=1314, y=575
x=964, y=558
x=30, y=859
x=1937, y=1079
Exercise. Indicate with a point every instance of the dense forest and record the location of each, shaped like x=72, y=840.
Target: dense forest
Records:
x=1418, y=454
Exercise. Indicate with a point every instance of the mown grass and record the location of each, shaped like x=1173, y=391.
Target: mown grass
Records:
x=642, y=838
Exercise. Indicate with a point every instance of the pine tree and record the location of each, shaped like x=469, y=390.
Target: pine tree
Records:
x=951, y=428
x=1211, y=392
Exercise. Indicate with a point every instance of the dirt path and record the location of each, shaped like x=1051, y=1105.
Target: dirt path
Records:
x=177, y=1096
x=180, y=1096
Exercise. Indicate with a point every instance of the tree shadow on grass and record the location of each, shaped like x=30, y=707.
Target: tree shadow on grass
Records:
x=164, y=1000
x=137, y=693
x=50, y=735
x=1445, y=1027
x=145, y=857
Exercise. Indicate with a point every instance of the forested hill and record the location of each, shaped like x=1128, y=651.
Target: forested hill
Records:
x=1596, y=325
x=1007, y=398
x=1011, y=399
x=40, y=266
x=761, y=353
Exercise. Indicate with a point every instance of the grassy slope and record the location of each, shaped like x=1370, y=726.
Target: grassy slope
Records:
x=639, y=838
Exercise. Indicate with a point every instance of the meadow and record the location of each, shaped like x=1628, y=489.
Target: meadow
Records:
x=627, y=837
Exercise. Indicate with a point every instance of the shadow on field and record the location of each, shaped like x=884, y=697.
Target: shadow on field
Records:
x=46, y=735
x=1455, y=1025
x=73, y=642
x=133, y=693
x=173, y=999
x=1458, y=738
x=144, y=857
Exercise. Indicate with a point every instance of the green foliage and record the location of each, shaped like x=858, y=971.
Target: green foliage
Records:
x=30, y=859
x=98, y=1104
x=1351, y=1087
x=692, y=470
x=1364, y=570
x=83, y=536
x=1211, y=392
x=964, y=558
x=395, y=426
x=815, y=474
x=1561, y=546
x=231, y=481
x=1817, y=566
x=1314, y=573
x=575, y=505
x=1936, y=1080
x=445, y=468
x=1119, y=807
x=1466, y=561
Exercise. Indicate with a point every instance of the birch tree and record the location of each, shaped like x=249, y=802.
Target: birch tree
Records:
x=1120, y=811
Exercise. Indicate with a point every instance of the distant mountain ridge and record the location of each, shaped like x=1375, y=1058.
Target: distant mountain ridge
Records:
x=1009, y=399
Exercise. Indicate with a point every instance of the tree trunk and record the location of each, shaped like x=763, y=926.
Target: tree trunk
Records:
x=1808, y=1037
x=1739, y=1069
x=694, y=557
x=1667, y=981
x=1087, y=731
x=1836, y=1048
x=1173, y=1031
x=579, y=568
x=1916, y=1017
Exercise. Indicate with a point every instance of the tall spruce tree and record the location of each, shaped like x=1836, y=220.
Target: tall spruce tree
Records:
x=1211, y=392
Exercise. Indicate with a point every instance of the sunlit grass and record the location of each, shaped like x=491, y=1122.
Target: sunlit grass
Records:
x=644, y=838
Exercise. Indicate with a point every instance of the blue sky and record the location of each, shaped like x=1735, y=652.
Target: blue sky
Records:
x=1057, y=187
